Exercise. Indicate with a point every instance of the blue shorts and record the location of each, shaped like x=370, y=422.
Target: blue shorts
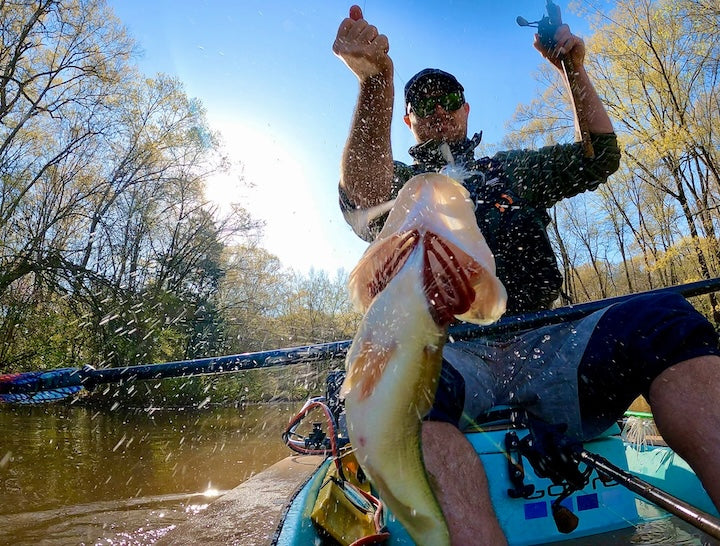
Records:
x=631, y=344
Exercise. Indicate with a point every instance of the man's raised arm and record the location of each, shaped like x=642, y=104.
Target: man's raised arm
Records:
x=590, y=111
x=367, y=169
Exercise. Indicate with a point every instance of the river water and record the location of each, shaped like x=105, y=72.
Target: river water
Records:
x=73, y=475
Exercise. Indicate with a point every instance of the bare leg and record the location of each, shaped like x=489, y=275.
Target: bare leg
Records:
x=460, y=484
x=685, y=400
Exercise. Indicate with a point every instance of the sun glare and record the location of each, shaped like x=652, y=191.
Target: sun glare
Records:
x=269, y=179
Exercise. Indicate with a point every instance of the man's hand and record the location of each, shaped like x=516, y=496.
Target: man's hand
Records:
x=362, y=48
x=567, y=54
x=563, y=44
x=566, y=45
x=366, y=169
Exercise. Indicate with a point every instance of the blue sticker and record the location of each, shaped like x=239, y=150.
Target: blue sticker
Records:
x=534, y=510
x=587, y=502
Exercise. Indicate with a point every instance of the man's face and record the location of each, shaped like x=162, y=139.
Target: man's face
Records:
x=435, y=118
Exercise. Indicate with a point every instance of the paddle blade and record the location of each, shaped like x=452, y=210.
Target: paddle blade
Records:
x=41, y=386
x=42, y=397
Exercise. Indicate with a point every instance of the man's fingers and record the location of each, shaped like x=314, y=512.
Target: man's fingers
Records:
x=562, y=48
x=361, y=47
x=357, y=28
x=572, y=46
x=564, y=40
x=537, y=44
x=345, y=26
x=351, y=26
x=368, y=34
x=382, y=42
x=562, y=33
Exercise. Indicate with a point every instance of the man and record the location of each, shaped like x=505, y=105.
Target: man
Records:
x=581, y=374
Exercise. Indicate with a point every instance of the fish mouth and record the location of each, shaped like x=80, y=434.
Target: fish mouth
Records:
x=447, y=273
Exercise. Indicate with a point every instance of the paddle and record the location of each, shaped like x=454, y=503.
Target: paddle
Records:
x=42, y=386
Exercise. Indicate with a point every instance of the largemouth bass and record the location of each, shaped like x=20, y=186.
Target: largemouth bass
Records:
x=430, y=263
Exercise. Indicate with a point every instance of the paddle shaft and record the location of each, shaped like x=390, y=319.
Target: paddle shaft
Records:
x=688, y=513
x=33, y=382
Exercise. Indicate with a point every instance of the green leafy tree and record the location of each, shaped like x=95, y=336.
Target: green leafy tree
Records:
x=104, y=227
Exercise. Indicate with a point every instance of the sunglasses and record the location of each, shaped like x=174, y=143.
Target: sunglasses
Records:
x=425, y=106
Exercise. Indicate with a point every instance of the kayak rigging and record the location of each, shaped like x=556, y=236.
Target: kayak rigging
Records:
x=345, y=508
x=553, y=456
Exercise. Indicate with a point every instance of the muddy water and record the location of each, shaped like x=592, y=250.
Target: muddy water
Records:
x=71, y=475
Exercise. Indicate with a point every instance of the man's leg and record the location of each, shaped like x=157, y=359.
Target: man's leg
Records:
x=460, y=484
x=661, y=347
x=685, y=400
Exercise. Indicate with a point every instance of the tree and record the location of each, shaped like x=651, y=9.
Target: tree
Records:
x=655, y=63
x=59, y=61
x=250, y=295
x=103, y=219
x=658, y=67
x=318, y=309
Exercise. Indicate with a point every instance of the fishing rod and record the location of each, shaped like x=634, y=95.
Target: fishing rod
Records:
x=694, y=516
x=44, y=386
x=546, y=31
x=50, y=385
x=537, y=319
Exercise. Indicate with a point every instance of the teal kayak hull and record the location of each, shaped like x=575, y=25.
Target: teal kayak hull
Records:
x=601, y=507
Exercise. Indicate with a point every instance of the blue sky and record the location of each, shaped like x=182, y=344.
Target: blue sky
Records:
x=266, y=74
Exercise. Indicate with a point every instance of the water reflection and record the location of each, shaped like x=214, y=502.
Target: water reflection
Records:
x=75, y=475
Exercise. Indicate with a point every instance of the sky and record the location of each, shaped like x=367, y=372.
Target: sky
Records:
x=266, y=74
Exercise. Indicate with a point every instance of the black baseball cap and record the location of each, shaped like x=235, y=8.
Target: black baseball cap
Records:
x=431, y=81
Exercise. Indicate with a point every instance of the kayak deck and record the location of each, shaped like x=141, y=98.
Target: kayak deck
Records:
x=603, y=506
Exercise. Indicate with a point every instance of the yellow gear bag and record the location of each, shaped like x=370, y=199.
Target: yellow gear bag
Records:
x=340, y=511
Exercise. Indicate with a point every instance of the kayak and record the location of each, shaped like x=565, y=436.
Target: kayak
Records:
x=538, y=498
x=603, y=505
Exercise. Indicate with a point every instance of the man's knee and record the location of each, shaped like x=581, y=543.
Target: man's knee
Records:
x=699, y=375
x=633, y=344
x=658, y=329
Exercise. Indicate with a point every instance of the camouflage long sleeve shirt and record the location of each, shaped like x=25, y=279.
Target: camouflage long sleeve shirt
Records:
x=512, y=191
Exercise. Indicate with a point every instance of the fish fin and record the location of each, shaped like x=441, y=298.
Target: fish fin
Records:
x=367, y=368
